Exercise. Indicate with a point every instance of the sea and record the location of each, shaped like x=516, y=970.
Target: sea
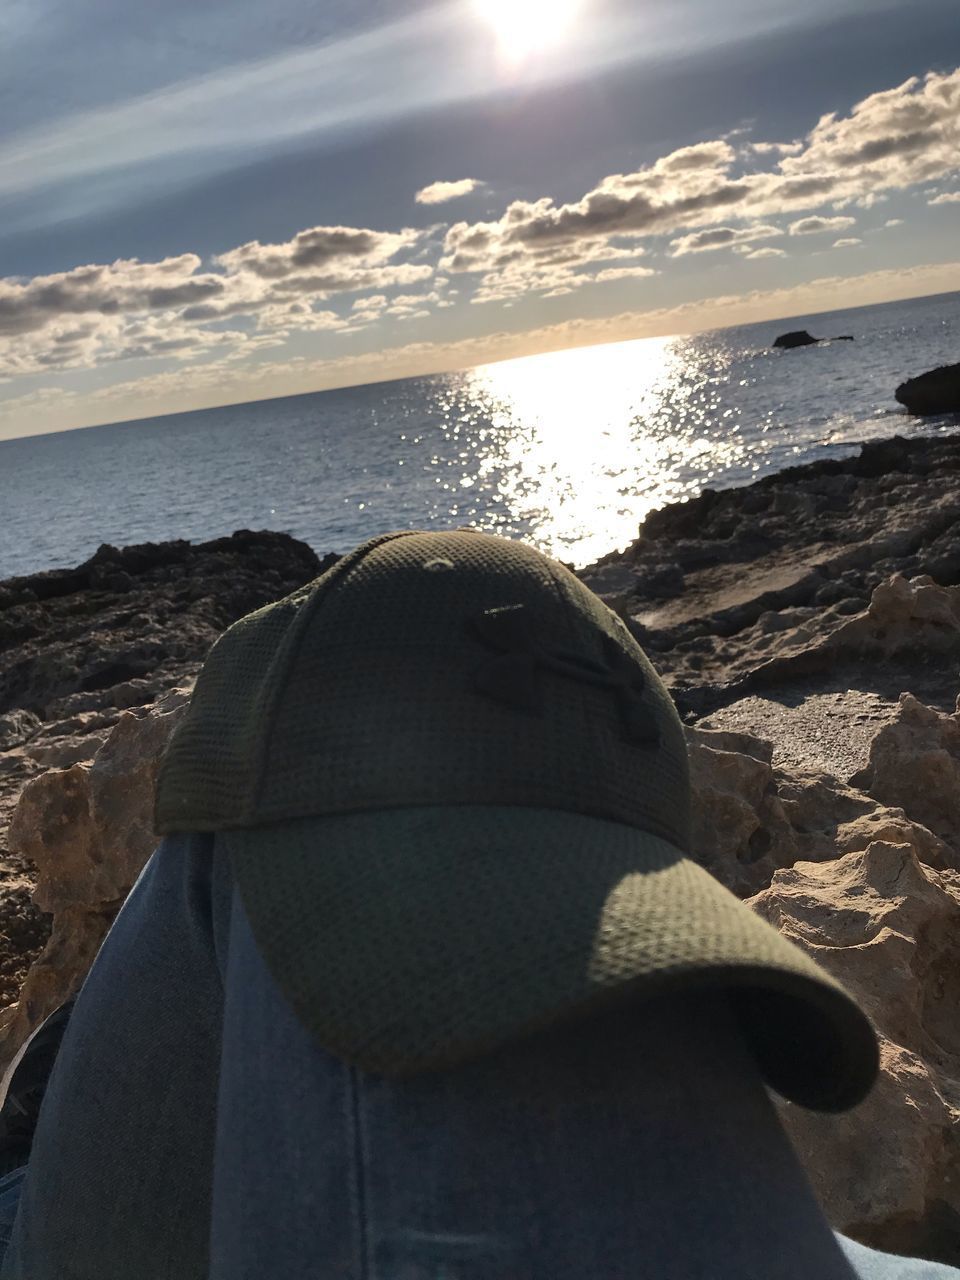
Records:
x=568, y=450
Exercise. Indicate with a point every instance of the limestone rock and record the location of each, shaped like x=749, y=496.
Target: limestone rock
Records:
x=915, y=613
x=915, y=764
x=888, y=928
x=810, y=544
x=752, y=818
x=740, y=831
x=88, y=830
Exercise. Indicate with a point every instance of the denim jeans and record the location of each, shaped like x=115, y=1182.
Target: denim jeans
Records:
x=192, y=1130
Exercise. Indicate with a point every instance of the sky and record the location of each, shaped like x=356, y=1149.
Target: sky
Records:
x=210, y=203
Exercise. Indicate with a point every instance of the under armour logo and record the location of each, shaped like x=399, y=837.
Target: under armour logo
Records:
x=512, y=677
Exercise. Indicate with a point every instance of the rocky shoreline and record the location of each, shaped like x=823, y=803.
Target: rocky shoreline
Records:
x=79, y=647
x=809, y=628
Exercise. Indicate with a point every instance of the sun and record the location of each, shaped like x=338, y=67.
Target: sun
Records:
x=526, y=27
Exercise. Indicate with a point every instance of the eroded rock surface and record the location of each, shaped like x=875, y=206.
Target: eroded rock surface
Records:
x=738, y=591
x=80, y=647
x=869, y=885
x=915, y=761
x=888, y=928
x=87, y=830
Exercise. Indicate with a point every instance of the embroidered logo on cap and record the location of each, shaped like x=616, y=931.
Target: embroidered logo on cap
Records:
x=513, y=676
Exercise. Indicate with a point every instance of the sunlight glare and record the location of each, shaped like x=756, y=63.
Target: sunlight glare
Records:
x=583, y=446
x=525, y=27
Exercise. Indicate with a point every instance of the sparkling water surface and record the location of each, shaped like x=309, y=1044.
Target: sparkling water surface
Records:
x=568, y=450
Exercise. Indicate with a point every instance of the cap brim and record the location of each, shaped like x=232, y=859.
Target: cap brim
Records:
x=410, y=940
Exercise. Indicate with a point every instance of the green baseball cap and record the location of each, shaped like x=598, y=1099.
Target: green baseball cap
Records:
x=456, y=800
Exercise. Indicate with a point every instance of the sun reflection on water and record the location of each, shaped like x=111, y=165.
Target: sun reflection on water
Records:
x=579, y=445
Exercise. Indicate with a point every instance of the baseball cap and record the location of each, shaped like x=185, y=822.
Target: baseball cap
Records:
x=456, y=800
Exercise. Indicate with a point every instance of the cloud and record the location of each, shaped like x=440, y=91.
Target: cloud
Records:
x=776, y=148
x=223, y=382
x=813, y=226
x=720, y=238
x=372, y=304
x=946, y=197
x=893, y=222
x=890, y=140
x=441, y=192
x=126, y=285
x=333, y=249
x=708, y=196
x=175, y=309
x=622, y=273
x=847, y=243
x=299, y=316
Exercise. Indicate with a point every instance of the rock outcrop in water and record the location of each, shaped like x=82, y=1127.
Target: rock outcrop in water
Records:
x=937, y=391
x=796, y=338
x=800, y=338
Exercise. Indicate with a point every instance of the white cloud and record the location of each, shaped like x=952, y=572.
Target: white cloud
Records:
x=223, y=382
x=175, y=309
x=776, y=148
x=374, y=303
x=707, y=196
x=441, y=192
x=721, y=238
x=126, y=285
x=847, y=243
x=890, y=141
x=893, y=222
x=814, y=226
x=335, y=250
x=622, y=273
x=298, y=316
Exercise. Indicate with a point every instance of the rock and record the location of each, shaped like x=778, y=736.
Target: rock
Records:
x=136, y=615
x=800, y=338
x=17, y=727
x=796, y=338
x=88, y=831
x=740, y=831
x=914, y=619
x=915, y=764
x=77, y=646
x=889, y=929
x=937, y=391
x=752, y=818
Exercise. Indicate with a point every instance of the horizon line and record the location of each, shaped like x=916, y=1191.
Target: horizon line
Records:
x=428, y=373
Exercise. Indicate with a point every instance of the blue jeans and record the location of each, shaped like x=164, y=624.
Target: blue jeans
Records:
x=193, y=1131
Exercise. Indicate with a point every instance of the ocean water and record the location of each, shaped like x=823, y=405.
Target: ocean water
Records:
x=569, y=450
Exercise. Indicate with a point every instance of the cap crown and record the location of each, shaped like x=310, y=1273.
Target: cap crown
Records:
x=428, y=669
